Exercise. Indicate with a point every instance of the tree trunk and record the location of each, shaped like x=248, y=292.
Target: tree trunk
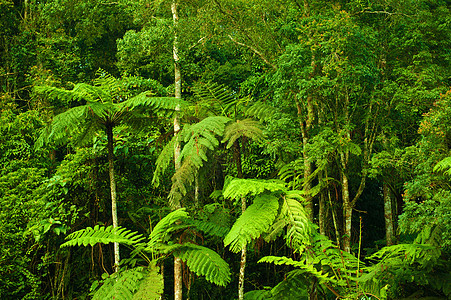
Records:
x=109, y=131
x=239, y=169
x=388, y=215
x=178, y=282
x=347, y=213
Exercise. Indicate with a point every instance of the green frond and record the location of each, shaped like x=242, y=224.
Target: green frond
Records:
x=211, y=228
x=164, y=105
x=103, y=235
x=302, y=266
x=199, y=138
x=183, y=178
x=205, y=262
x=166, y=226
x=242, y=128
x=299, y=228
x=238, y=188
x=261, y=111
x=293, y=173
x=444, y=166
x=292, y=287
x=254, y=221
x=258, y=295
x=152, y=285
x=164, y=159
x=125, y=285
x=215, y=97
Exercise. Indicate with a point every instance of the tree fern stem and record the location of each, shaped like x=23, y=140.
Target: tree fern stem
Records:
x=178, y=284
x=243, y=260
x=388, y=215
x=109, y=130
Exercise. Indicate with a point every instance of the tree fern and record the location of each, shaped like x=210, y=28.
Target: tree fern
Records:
x=104, y=235
x=255, y=220
x=293, y=287
x=205, y=262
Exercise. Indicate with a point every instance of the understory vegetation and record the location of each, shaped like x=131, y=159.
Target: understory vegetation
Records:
x=225, y=149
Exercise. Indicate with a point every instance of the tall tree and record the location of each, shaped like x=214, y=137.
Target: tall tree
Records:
x=102, y=111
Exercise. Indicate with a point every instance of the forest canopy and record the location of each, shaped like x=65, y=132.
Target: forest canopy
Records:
x=225, y=149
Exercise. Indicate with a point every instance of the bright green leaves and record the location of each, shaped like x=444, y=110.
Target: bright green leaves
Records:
x=201, y=260
x=274, y=211
x=103, y=235
x=205, y=262
x=255, y=220
x=238, y=188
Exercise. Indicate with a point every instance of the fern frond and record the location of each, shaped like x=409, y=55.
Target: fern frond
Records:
x=292, y=287
x=443, y=166
x=299, y=229
x=238, y=188
x=261, y=111
x=152, y=285
x=254, y=221
x=205, y=262
x=302, y=266
x=211, y=228
x=103, y=235
x=121, y=285
x=164, y=159
x=199, y=138
x=158, y=104
x=166, y=226
x=215, y=97
x=242, y=128
x=258, y=295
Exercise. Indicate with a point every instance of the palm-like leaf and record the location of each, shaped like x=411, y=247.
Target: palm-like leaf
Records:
x=254, y=221
x=205, y=262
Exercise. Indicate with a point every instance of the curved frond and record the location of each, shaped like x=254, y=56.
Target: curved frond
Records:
x=131, y=284
x=261, y=111
x=302, y=266
x=152, y=285
x=258, y=295
x=205, y=262
x=254, y=221
x=162, y=105
x=166, y=225
x=238, y=188
x=242, y=128
x=199, y=138
x=215, y=97
x=299, y=228
x=103, y=235
x=293, y=287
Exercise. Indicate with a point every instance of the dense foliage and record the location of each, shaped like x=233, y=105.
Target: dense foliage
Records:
x=315, y=142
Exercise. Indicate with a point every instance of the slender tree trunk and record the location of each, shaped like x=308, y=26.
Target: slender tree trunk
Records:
x=388, y=215
x=347, y=213
x=178, y=279
x=237, y=158
x=322, y=209
x=109, y=131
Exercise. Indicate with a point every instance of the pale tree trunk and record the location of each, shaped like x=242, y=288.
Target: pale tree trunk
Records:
x=178, y=282
x=237, y=158
x=347, y=213
x=388, y=216
x=113, y=191
x=322, y=208
x=243, y=260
